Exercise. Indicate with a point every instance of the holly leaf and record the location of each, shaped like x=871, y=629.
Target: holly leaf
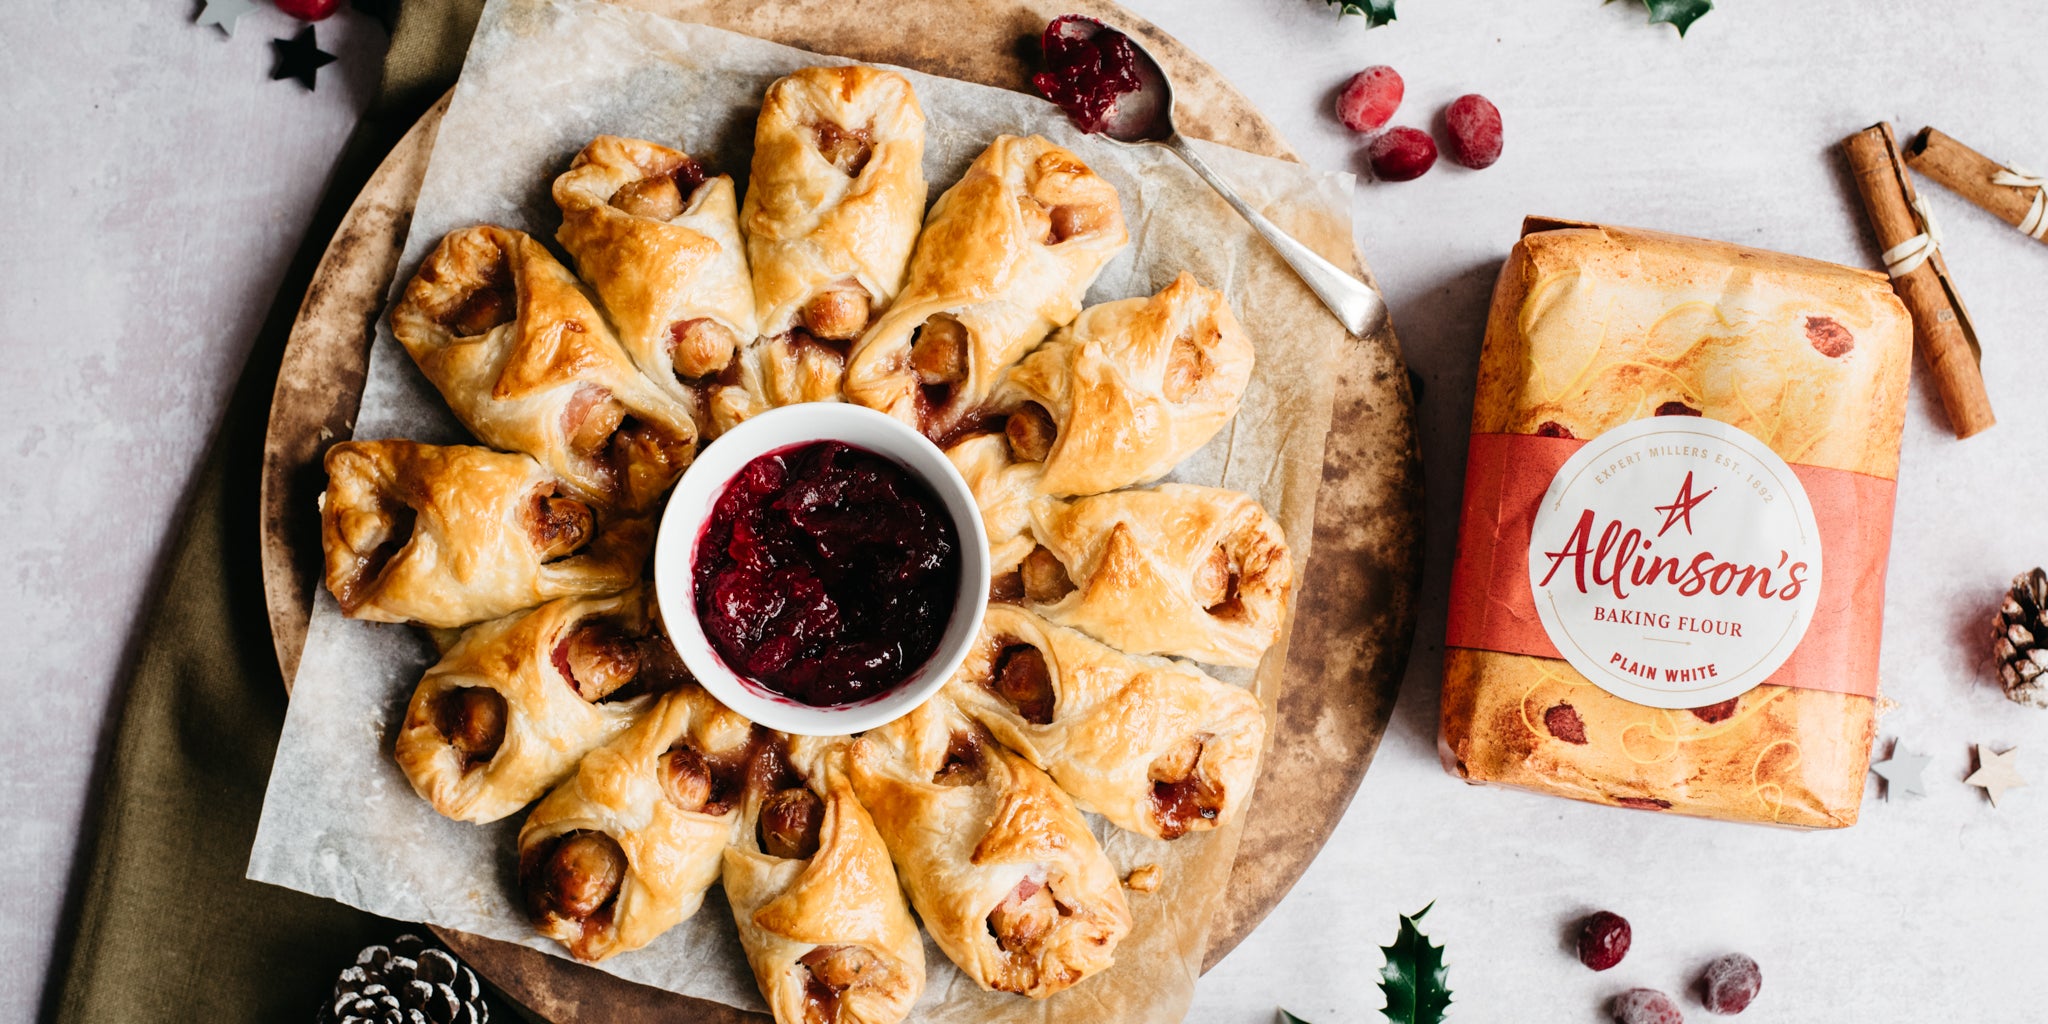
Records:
x=1414, y=979
x=1375, y=13
x=1679, y=14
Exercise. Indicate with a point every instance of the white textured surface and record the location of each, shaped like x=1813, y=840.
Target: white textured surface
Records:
x=157, y=181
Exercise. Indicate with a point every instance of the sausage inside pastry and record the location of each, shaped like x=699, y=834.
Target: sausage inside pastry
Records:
x=512, y=707
x=447, y=536
x=1129, y=389
x=1155, y=746
x=1005, y=257
x=1193, y=572
x=999, y=863
x=660, y=243
x=819, y=910
x=625, y=849
x=527, y=363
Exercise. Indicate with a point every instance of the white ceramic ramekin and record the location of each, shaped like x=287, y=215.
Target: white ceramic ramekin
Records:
x=682, y=526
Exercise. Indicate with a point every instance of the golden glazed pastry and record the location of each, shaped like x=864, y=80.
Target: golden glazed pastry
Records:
x=625, y=849
x=1129, y=389
x=997, y=860
x=1592, y=327
x=820, y=914
x=1193, y=572
x=660, y=243
x=527, y=363
x=1155, y=746
x=835, y=199
x=447, y=536
x=1005, y=257
x=512, y=707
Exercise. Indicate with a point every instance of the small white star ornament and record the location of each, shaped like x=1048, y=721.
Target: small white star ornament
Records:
x=1902, y=773
x=224, y=13
x=1996, y=772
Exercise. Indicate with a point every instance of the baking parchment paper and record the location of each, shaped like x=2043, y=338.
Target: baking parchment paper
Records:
x=542, y=78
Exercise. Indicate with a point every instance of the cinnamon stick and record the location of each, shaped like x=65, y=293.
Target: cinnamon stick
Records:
x=1976, y=177
x=1941, y=325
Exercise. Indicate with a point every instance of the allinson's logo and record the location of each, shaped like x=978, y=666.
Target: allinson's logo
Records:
x=1675, y=603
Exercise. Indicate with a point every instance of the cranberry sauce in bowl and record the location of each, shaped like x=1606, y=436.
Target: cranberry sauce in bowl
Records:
x=826, y=573
x=824, y=569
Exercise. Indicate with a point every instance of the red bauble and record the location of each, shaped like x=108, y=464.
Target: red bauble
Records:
x=309, y=10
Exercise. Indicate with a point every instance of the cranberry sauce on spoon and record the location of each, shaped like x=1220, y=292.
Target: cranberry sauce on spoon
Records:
x=826, y=573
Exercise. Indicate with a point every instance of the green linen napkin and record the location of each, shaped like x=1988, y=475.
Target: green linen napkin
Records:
x=167, y=926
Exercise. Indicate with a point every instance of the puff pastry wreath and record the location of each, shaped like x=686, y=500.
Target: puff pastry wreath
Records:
x=448, y=536
x=819, y=910
x=1005, y=257
x=1155, y=746
x=528, y=365
x=515, y=703
x=625, y=849
x=1193, y=572
x=1129, y=389
x=660, y=243
x=997, y=860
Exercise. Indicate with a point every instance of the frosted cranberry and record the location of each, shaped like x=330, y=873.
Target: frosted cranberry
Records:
x=1402, y=154
x=1730, y=983
x=1646, y=1006
x=1603, y=940
x=1475, y=131
x=1369, y=100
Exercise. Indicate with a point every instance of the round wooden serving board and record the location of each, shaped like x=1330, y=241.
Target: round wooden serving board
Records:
x=1355, y=611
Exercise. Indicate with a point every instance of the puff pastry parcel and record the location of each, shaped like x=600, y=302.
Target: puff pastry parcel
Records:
x=835, y=199
x=1129, y=389
x=447, y=536
x=1005, y=257
x=1194, y=572
x=1155, y=746
x=660, y=242
x=820, y=913
x=509, y=710
x=999, y=863
x=527, y=363
x=625, y=849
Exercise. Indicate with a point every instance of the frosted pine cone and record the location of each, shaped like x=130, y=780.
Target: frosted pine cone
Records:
x=407, y=982
x=2021, y=645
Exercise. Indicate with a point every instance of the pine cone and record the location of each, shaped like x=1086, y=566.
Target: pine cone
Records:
x=407, y=982
x=2022, y=642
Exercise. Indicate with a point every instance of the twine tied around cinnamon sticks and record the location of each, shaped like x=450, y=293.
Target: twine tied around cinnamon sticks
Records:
x=1907, y=256
x=2035, y=224
x=1912, y=254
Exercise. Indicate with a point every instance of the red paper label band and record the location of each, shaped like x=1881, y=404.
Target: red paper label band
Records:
x=1493, y=608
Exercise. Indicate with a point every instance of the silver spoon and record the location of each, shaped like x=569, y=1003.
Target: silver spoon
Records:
x=1145, y=118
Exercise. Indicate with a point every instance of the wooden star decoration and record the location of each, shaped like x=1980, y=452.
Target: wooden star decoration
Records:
x=224, y=13
x=1996, y=772
x=299, y=57
x=1902, y=772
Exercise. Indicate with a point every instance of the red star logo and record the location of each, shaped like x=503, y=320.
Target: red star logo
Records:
x=1680, y=509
